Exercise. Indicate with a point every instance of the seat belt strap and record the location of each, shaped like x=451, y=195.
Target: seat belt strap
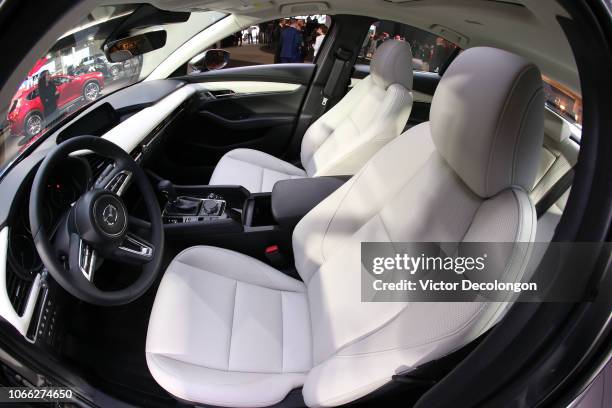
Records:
x=554, y=194
x=338, y=78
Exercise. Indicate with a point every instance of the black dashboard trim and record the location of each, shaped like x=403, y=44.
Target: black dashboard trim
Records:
x=283, y=73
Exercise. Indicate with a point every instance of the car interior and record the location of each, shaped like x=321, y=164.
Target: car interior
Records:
x=194, y=239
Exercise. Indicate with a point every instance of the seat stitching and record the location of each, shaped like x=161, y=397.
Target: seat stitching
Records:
x=219, y=402
x=331, y=219
x=498, y=124
x=265, y=269
x=173, y=357
x=246, y=283
x=288, y=166
x=554, y=173
x=521, y=134
x=527, y=256
x=387, y=323
x=391, y=197
x=391, y=106
x=229, y=347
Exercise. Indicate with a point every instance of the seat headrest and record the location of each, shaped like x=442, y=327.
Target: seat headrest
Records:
x=555, y=127
x=487, y=119
x=392, y=64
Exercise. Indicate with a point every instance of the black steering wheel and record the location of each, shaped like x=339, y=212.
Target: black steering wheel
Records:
x=96, y=226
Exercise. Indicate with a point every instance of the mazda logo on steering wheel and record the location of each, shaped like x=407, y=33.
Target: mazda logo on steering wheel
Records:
x=110, y=215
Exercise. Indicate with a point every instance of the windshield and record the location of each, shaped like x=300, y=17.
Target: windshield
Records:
x=75, y=72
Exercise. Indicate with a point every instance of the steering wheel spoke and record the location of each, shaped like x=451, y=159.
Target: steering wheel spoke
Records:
x=116, y=180
x=134, y=250
x=83, y=257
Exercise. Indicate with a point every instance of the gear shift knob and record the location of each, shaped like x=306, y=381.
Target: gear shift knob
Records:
x=167, y=188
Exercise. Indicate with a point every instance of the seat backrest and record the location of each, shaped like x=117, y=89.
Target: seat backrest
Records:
x=558, y=155
x=374, y=112
x=462, y=177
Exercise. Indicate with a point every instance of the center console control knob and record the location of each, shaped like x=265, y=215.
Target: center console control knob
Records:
x=210, y=207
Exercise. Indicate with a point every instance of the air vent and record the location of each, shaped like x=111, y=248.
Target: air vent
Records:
x=18, y=290
x=97, y=164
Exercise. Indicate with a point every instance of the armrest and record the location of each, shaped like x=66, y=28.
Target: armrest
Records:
x=293, y=199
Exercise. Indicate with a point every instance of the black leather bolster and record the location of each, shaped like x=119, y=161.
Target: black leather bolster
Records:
x=292, y=199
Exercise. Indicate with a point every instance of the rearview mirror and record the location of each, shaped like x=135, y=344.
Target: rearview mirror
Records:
x=209, y=60
x=129, y=47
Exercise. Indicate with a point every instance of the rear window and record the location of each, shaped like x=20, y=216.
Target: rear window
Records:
x=430, y=52
x=563, y=101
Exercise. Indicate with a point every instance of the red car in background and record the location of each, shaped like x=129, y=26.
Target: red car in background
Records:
x=26, y=113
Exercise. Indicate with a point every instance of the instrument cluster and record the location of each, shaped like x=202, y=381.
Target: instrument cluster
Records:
x=64, y=187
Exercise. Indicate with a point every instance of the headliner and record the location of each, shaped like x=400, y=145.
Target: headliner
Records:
x=525, y=27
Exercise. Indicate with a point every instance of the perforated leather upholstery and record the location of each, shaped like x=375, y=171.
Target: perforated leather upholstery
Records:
x=422, y=186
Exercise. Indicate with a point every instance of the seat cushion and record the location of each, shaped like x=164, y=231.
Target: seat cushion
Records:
x=254, y=170
x=228, y=330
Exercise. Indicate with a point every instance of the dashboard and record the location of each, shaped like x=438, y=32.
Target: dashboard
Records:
x=135, y=119
x=64, y=187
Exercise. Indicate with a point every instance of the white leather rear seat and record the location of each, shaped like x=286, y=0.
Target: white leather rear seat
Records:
x=558, y=155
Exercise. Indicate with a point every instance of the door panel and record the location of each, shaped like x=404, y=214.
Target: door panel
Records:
x=282, y=73
x=249, y=107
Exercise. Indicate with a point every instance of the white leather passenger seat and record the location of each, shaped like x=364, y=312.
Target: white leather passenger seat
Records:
x=558, y=155
x=374, y=112
x=227, y=330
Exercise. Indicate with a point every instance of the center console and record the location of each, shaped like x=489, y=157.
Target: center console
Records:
x=214, y=209
x=192, y=209
x=233, y=218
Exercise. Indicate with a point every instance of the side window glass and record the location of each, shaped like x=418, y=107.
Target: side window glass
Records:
x=294, y=39
x=429, y=51
x=563, y=101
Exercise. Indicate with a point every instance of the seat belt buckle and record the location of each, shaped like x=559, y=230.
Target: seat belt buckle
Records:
x=324, y=101
x=275, y=257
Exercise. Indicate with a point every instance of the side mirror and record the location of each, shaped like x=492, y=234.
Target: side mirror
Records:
x=129, y=47
x=209, y=60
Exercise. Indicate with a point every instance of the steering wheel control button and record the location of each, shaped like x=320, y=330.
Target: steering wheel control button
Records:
x=110, y=215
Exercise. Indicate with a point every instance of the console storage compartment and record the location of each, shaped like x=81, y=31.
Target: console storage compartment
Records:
x=257, y=211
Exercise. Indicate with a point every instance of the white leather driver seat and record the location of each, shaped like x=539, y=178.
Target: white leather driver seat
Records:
x=228, y=330
x=374, y=112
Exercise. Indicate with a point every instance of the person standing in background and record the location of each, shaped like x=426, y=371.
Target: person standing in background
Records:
x=302, y=48
x=291, y=39
x=250, y=35
x=441, y=53
x=276, y=39
x=47, y=91
x=321, y=33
